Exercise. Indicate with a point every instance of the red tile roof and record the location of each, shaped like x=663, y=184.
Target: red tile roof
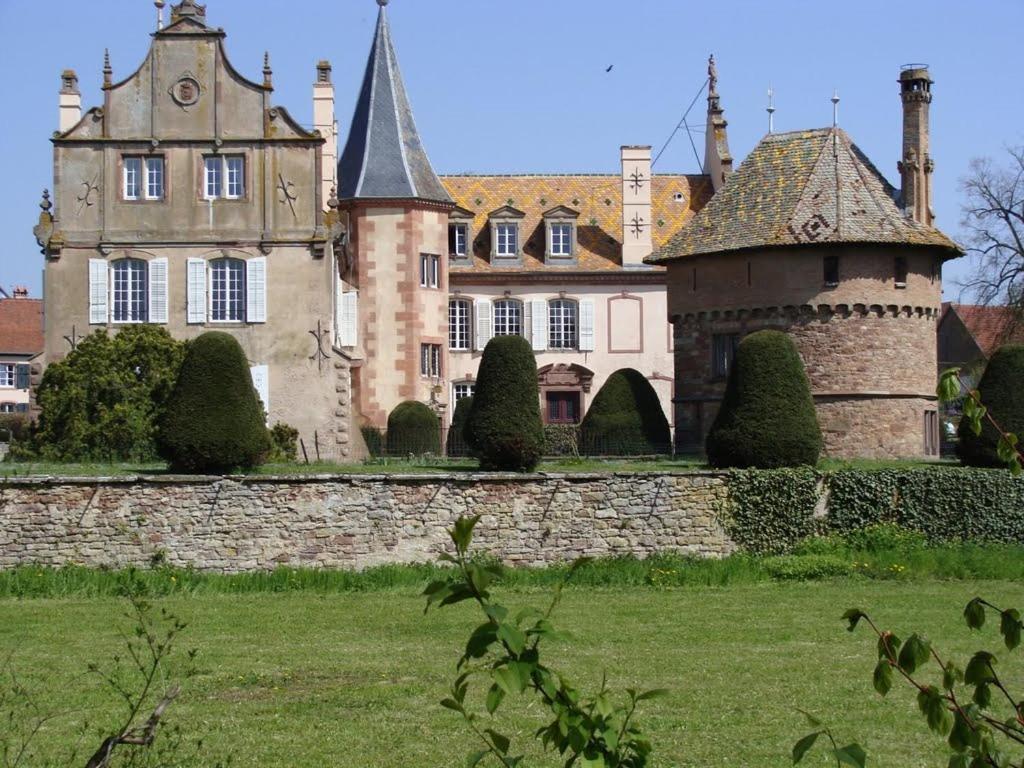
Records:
x=991, y=327
x=21, y=326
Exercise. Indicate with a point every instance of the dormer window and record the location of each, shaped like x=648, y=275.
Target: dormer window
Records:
x=460, y=222
x=457, y=241
x=505, y=245
x=560, y=226
x=900, y=269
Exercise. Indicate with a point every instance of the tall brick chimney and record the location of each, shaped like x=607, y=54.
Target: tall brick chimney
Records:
x=70, y=100
x=636, y=205
x=917, y=165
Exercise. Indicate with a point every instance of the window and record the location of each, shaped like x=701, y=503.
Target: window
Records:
x=507, y=239
x=227, y=293
x=224, y=176
x=458, y=324
x=901, y=271
x=931, y=433
x=7, y=375
x=430, y=360
x=723, y=350
x=562, y=407
x=457, y=240
x=463, y=390
x=143, y=178
x=430, y=270
x=6, y=407
x=693, y=281
x=562, y=324
x=508, y=318
x=561, y=239
x=128, y=284
x=831, y=269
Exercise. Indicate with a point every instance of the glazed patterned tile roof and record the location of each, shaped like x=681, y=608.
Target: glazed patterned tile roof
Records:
x=990, y=327
x=21, y=326
x=797, y=188
x=597, y=198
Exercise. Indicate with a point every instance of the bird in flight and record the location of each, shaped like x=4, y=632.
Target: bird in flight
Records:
x=609, y=68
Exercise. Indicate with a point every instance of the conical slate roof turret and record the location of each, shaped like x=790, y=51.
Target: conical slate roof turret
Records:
x=384, y=157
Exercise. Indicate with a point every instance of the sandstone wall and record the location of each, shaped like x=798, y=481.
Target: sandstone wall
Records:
x=355, y=521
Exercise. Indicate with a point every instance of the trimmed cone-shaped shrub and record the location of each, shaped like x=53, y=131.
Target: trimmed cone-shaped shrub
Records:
x=413, y=429
x=1001, y=390
x=457, y=445
x=625, y=419
x=767, y=417
x=213, y=421
x=504, y=428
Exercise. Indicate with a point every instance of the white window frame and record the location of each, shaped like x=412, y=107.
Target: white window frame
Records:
x=460, y=230
x=506, y=234
x=137, y=296
x=430, y=361
x=229, y=263
x=563, y=325
x=430, y=270
x=145, y=171
x=223, y=177
x=467, y=387
x=460, y=324
x=7, y=375
x=504, y=321
x=561, y=239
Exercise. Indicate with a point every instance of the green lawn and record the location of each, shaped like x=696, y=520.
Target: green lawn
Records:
x=301, y=679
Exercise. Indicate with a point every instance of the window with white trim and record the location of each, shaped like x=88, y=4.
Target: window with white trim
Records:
x=561, y=239
x=430, y=360
x=7, y=375
x=457, y=236
x=508, y=317
x=563, y=324
x=462, y=390
x=129, y=288
x=507, y=236
x=6, y=407
x=430, y=270
x=224, y=177
x=459, y=324
x=227, y=290
x=142, y=177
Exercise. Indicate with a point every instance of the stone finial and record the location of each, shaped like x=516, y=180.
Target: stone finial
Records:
x=332, y=201
x=188, y=9
x=382, y=3
x=323, y=71
x=159, y=13
x=712, y=75
x=45, y=203
x=268, y=73
x=108, y=71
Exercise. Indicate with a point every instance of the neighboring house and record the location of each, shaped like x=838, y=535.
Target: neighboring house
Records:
x=21, y=346
x=808, y=237
x=970, y=333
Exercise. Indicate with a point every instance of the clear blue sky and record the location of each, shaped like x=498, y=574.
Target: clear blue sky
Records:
x=521, y=86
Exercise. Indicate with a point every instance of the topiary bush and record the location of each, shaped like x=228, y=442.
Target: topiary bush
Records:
x=767, y=418
x=374, y=439
x=284, y=442
x=504, y=427
x=213, y=421
x=1000, y=390
x=456, y=444
x=561, y=440
x=413, y=429
x=625, y=419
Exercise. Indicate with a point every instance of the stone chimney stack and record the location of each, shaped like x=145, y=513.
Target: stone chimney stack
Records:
x=70, y=100
x=324, y=121
x=917, y=166
x=20, y=292
x=636, y=205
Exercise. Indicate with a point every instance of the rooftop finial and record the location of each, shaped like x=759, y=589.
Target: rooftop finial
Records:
x=159, y=13
x=45, y=203
x=382, y=3
x=108, y=71
x=771, y=109
x=835, y=108
x=712, y=76
x=267, y=71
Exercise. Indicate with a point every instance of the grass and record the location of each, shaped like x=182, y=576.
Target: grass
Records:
x=422, y=466
x=303, y=678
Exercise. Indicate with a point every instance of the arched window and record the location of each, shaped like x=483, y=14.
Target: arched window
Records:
x=128, y=285
x=227, y=290
x=508, y=317
x=459, y=324
x=563, y=324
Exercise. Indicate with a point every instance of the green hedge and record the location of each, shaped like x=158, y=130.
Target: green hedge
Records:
x=771, y=511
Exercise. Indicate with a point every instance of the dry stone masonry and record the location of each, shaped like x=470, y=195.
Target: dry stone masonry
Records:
x=258, y=523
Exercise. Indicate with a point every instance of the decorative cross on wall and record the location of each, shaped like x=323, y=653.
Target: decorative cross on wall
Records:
x=87, y=197
x=319, y=355
x=637, y=225
x=72, y=340
x=288, y=193
x=637, y=180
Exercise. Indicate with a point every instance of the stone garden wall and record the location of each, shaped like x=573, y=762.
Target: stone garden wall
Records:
x=237, y=524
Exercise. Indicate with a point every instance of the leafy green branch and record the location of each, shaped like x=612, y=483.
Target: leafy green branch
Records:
x=505, y=651
x=1008, y=448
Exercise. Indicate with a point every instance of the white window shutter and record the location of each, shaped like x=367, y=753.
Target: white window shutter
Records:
x=196, y=291
x=528, y=321
x=586, y=325
x=98, y=289
x=256, y=290
x=348, y=333
x=540, y=325
x=158, y=291
x=261, y=383
x=483, y=323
